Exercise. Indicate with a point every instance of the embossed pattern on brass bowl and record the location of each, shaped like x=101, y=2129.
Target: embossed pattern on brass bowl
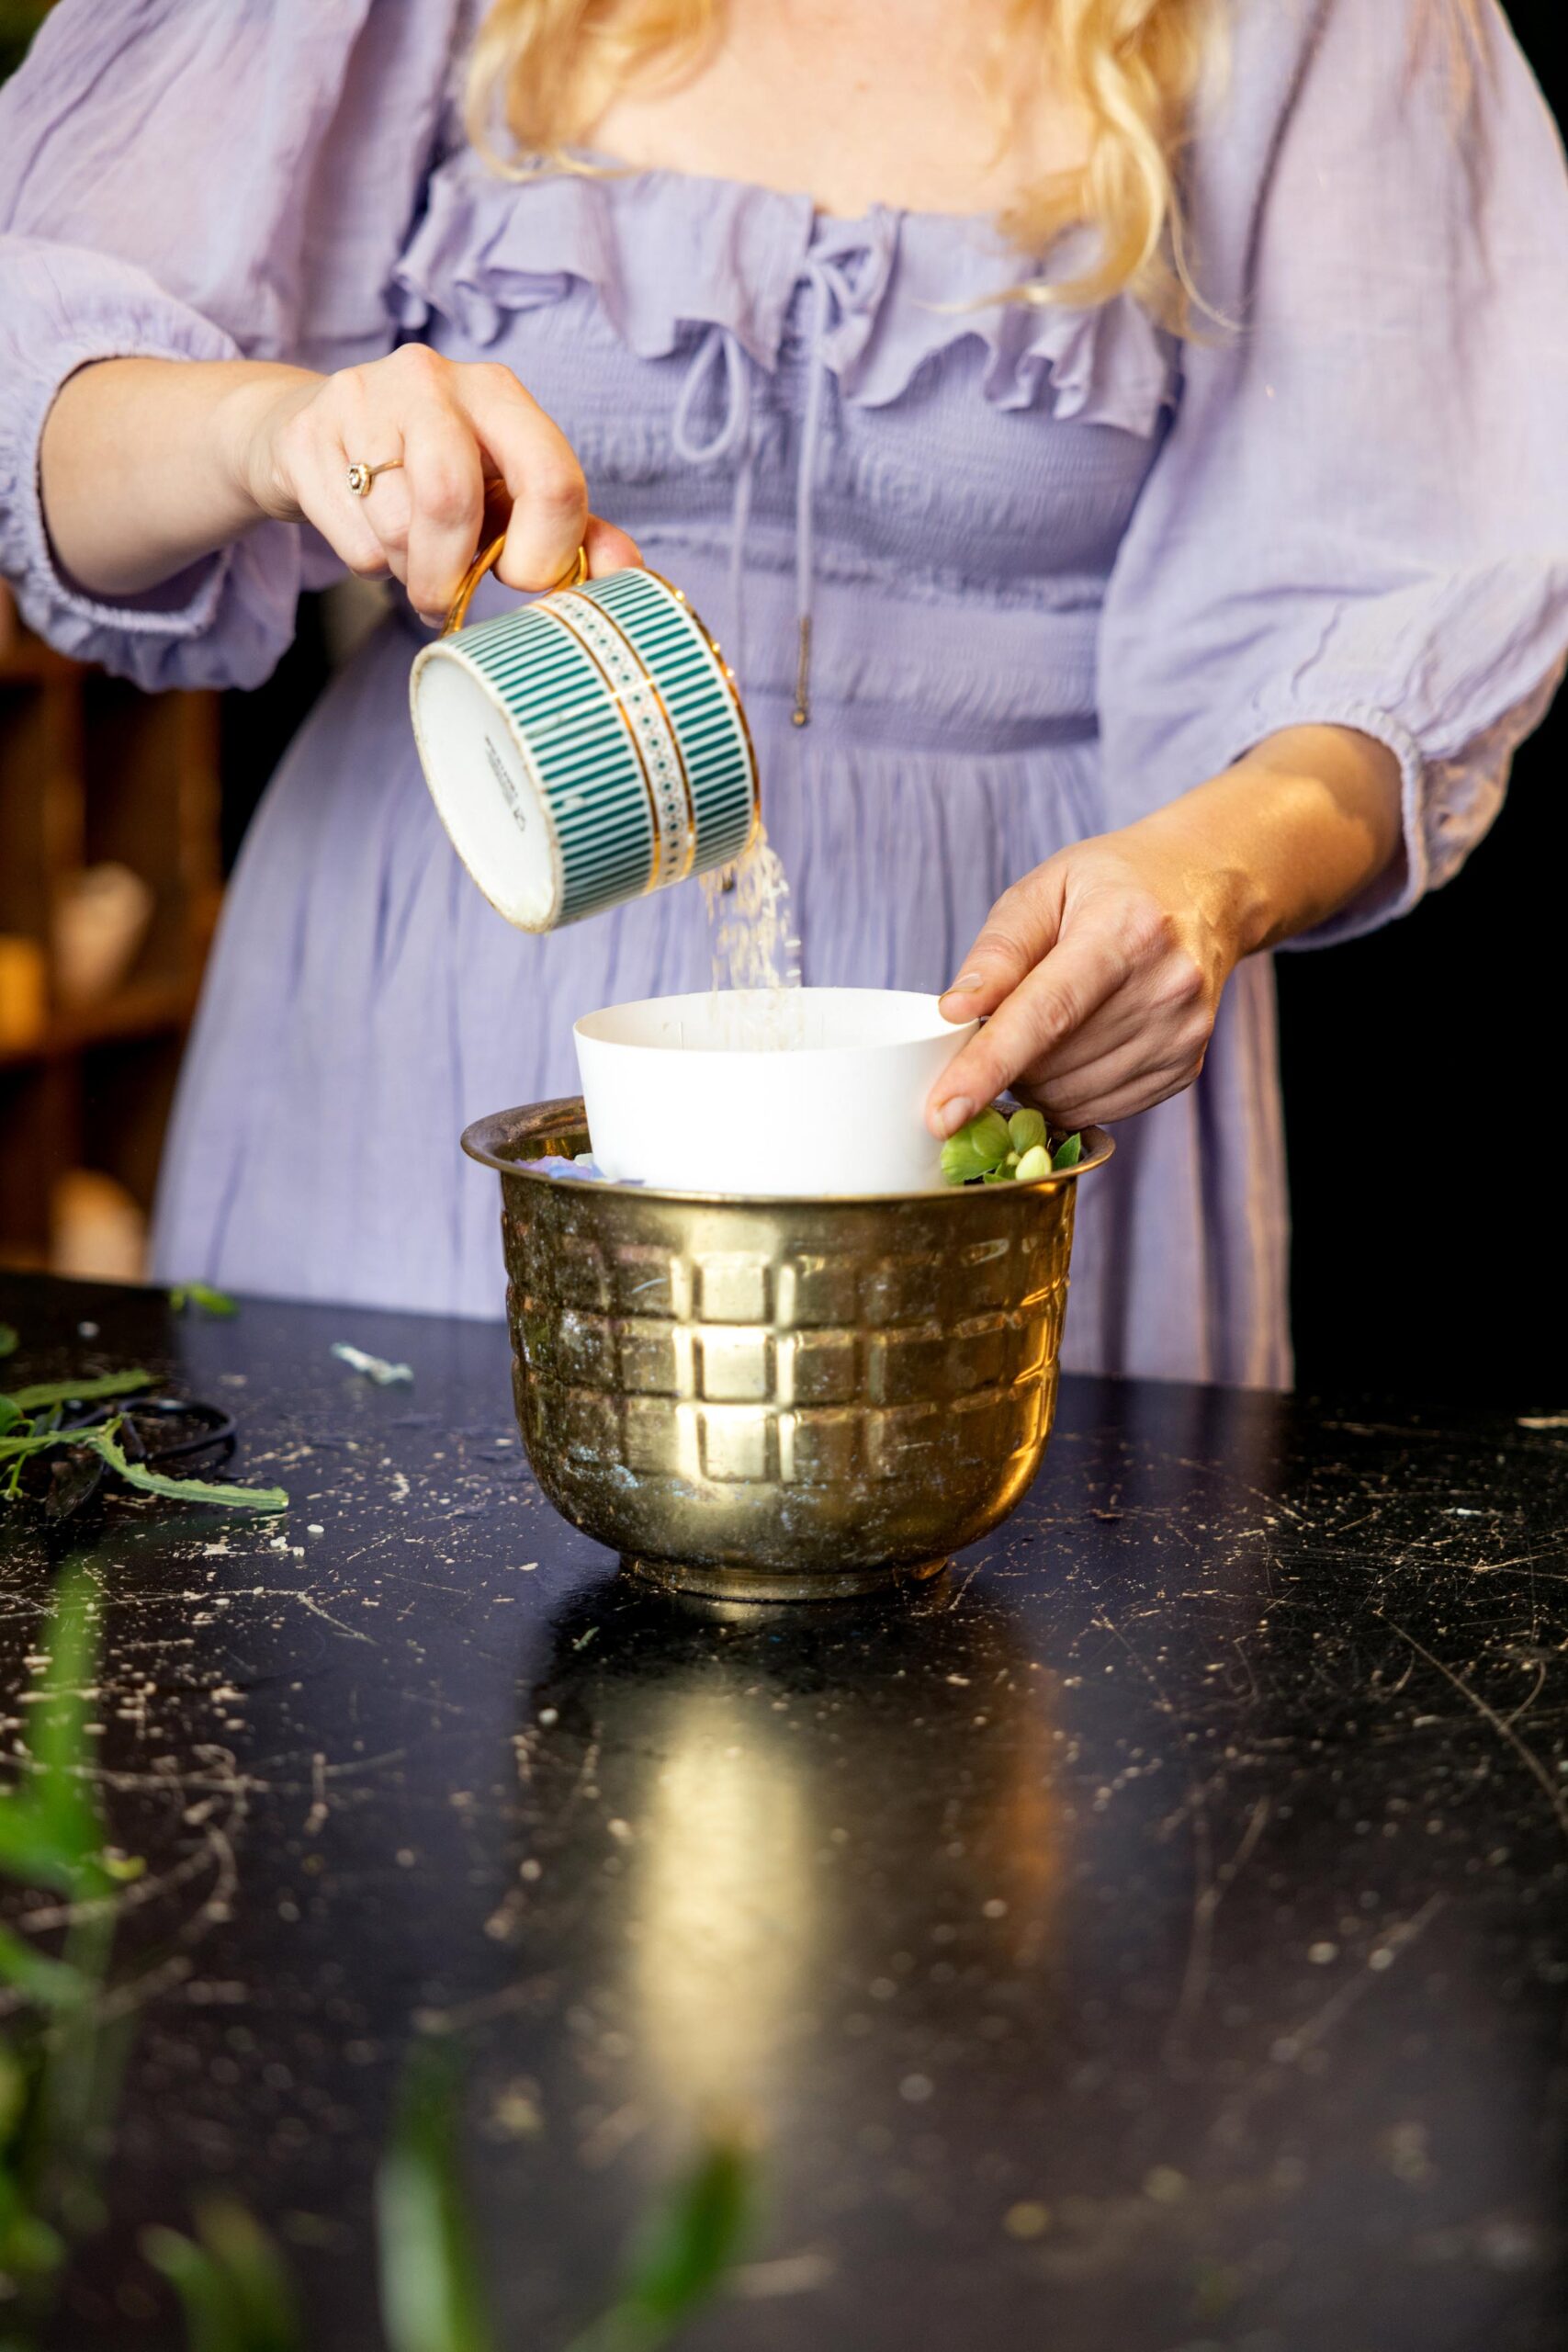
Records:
x=779, y=1398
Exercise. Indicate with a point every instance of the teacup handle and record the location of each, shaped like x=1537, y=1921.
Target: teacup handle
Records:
x=573, y=576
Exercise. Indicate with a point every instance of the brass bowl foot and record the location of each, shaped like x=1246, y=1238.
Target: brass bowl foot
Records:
x=718, y=1583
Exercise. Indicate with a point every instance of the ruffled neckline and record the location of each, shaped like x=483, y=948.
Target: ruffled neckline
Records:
x=664, y=252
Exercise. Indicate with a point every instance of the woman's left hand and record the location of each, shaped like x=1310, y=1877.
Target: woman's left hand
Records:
x=1102, y=972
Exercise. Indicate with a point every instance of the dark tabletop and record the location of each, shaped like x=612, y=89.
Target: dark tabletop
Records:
x=1150, y=1938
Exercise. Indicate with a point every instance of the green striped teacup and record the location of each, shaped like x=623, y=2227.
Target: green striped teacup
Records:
x=585, y=748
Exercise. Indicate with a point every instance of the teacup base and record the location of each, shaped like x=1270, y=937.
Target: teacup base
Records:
x=716, y=1582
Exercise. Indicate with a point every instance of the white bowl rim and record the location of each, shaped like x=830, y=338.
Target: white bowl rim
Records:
x=939, y=1029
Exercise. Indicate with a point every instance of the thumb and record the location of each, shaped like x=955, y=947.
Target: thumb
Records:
x=1021, y=927
x=609, y=549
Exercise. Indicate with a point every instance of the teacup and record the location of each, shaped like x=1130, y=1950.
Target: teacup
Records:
x=585, y=748
x=754, y=1091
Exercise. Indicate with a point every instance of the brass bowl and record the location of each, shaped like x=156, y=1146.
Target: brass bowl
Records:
x=778, y=1399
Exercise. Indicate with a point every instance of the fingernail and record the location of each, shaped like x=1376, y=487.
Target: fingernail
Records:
x=966, y=984
x=955, y=1113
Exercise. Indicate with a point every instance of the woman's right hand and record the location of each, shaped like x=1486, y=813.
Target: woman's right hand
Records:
x=456, y=426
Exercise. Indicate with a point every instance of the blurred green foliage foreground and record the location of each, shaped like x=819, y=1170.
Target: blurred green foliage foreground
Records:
x=67, y=2015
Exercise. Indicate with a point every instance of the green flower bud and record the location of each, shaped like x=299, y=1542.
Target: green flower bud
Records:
x=976, y=1148
x=1068, y=1154
x=1035, y=1163
x=1027, y=1128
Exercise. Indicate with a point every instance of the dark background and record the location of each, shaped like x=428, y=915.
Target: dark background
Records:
x=1426, y=1060
x=1421, y=1068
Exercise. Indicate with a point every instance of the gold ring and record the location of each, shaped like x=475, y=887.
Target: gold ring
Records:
x=573, y=576
x=361, y=476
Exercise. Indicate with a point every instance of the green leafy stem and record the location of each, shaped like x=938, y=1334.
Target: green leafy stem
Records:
x=29, y=1425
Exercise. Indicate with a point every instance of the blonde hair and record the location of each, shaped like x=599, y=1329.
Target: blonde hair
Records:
x=1132, y=68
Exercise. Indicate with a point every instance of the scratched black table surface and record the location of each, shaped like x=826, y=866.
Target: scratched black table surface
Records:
x=1151, y=1938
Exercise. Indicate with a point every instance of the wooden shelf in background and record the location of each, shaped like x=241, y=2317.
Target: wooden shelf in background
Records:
x=150, y=1009
x=91, y=770
x=28, y=659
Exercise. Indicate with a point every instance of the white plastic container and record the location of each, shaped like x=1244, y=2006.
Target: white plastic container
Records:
x=793, y=1091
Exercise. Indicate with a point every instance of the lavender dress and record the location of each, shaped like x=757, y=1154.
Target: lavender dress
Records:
x=1059, y=569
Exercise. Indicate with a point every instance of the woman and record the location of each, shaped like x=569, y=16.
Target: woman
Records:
x=1150, y=525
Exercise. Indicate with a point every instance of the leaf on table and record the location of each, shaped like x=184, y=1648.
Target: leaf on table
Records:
x=204, y=1299
x=376, y=1368
x=104, y=1443
x=432, y=2294
x=17, y=1449
x=10, y=1340
x=186, y=1490
x=43, y=1393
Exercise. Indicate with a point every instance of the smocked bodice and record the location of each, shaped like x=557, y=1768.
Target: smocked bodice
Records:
x=824, y=408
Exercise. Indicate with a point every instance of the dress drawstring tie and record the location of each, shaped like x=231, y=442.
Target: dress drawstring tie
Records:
x=835, y=292
x=833, y=279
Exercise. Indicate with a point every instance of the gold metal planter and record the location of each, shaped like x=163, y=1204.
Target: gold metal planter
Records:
x=776, y=1399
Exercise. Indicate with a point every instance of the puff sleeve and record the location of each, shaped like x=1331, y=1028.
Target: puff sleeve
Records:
x=201, y=179
x=1360, y=515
